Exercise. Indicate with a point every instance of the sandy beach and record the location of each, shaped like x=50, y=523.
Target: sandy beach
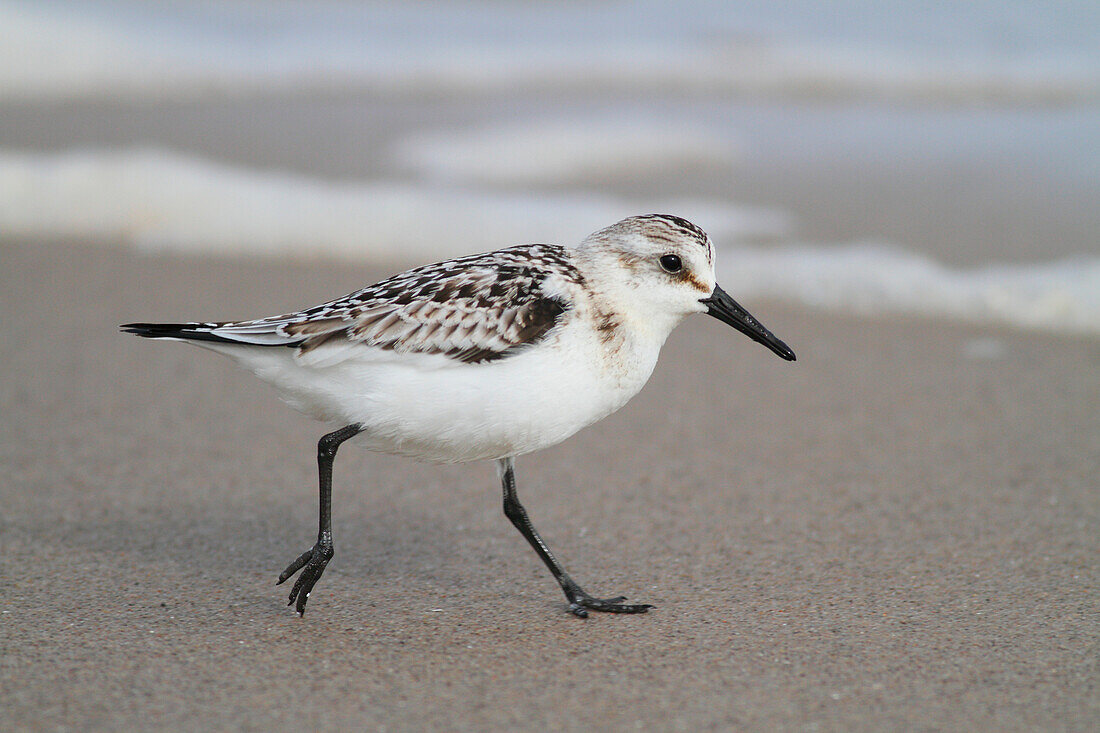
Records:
x=898, y=531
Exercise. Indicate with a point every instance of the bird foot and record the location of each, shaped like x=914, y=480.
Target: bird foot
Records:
x=580, y=602
x=312, y=563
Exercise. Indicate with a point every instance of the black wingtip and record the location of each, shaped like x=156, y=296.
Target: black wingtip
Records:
x=156, y=330
x=188, y=331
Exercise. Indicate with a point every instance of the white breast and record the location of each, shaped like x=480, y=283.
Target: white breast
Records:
x=430, y=407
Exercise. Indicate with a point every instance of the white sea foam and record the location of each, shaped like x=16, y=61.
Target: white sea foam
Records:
x=157, y=199
x=873, y=278
x=50, y=48
x=561, y=150
x=153, y=199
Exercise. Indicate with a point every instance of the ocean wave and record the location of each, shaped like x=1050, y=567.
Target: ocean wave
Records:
x=873, y=278
x=157, y=200
x=559, y=150
x=51, y=50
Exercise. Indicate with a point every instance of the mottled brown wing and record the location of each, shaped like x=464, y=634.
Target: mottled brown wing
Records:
x=473, y=309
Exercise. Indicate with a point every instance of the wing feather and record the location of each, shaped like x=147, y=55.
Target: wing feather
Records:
x=473, y=309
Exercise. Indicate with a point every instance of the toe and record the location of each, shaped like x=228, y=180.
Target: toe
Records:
x=295, y=566
x=614, y=605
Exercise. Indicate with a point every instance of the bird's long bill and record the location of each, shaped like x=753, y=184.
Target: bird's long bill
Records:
x=726, y=309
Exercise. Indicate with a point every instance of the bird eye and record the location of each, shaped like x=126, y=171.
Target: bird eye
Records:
x=671, y=263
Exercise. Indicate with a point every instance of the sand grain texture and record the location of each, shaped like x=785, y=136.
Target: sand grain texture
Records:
x=895, y=532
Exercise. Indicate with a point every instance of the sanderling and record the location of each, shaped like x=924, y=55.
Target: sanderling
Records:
x=490, y=356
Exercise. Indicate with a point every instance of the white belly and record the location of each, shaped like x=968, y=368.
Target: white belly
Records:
x=431, y=408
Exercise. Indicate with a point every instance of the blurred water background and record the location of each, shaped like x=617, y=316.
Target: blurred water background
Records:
x=902, y=157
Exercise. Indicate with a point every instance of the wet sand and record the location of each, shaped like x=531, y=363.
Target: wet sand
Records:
x=898, y=531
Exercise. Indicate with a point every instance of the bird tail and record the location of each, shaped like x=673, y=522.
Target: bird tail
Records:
x=178, y=331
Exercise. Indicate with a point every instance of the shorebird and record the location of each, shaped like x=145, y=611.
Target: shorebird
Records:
x=490, y=356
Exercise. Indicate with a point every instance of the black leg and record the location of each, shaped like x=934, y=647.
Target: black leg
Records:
x=579, y=600
x=316, y=558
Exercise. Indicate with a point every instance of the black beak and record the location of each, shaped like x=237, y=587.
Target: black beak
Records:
x=726, y=309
